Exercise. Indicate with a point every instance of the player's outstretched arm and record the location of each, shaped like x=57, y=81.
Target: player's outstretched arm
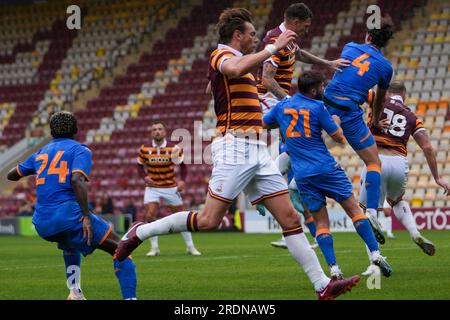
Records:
x=424, y=143
x=238, y=66
x=13, y=175
x=81, y=193
x=268, y=81
x=307, y=57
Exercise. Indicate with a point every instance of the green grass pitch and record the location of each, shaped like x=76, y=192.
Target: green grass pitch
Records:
x=233, y=266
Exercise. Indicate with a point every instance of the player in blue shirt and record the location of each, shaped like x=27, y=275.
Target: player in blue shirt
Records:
x=61, y=215
x=301, y=120
x=295, y=198
x=348, y=90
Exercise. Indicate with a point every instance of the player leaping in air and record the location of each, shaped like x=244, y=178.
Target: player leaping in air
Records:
x=348, y=90
x=274, y=84
x=62, y=215
x=301, y=120
x=400, y=123
x=241, y=162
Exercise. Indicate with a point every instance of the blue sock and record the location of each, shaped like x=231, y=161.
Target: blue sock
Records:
x=373, y=186
x=309, y=222
x=362, y=226
x=72, y=260
x=325, y=242
x=126, y=274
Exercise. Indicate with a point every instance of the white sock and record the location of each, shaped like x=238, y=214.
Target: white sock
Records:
x=154, y=242
x=372, y=212
x=388, y=224
x=171, y=224
x=300, y=250
x=187, y=236
x=403, y=213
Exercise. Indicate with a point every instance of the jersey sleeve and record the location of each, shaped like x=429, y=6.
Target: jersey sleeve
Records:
x=82, y=161
x=271, y=117
x=141, y=158
x=326, y=121
x=386, y=78
x=418, y=126
x=275, y=59
x=219, y=58
x=27, y=168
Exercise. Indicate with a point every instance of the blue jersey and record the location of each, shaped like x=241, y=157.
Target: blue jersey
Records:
x=368, y=68
x=301, y=120
x=54, y=165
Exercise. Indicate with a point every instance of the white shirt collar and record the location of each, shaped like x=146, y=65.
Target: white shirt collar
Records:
x=282, y=27
x=224, y=46
x=163, y=145
x=398, y=98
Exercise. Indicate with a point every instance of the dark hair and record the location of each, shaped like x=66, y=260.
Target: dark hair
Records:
x=63, y=124
x=309, y=80
x=397, y=87
x=158, y=122
x=298, y=11
x=230, y=20
x=381, y=36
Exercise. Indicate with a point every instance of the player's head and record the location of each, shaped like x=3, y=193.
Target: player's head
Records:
x=236, y=29
x=381, y=36
x=158, y=131
x=397, y=88
x=297, y=18
x=312, y=84
x=63, y=124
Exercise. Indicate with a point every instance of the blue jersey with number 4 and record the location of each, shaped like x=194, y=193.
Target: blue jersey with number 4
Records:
x=368, y=68
x=301, y=120
x=53, y=166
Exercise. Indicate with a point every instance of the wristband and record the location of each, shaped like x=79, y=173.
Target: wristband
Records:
x=271, y=48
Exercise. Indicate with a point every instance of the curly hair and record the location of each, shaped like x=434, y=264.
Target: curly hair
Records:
x=381, y=36
x=230, y=20
x=63, y=124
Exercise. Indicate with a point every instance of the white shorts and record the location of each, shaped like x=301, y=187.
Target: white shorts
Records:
x=394, y=175
x=244, y=165
x=268, y=101
x=170, y=195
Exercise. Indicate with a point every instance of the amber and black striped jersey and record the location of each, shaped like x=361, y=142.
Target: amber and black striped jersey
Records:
x=236, y=100
x=159, y=163
x=283, y=60
x=404, y=123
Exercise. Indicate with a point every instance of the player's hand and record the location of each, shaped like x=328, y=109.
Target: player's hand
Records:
x=148, y=181
x=87, y=229
x=284, y=39
x=181, y=186
x=384, y=124
x=337, y=119
x=444, y=185
x=337, y=64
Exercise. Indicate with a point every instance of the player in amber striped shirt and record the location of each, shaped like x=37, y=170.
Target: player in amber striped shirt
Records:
x=242, y=163
x=159, y=161
x=274, y=83
x=398, y=123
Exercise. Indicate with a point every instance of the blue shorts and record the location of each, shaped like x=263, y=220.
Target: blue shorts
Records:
x=72, y=239
x=334, y=185
x=353, y=126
